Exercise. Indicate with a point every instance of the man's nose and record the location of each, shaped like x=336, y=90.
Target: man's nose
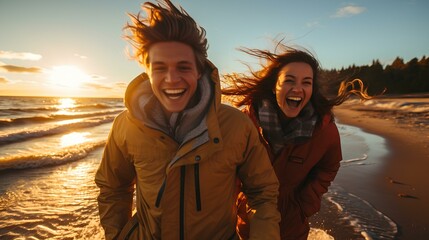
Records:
x=172, y=76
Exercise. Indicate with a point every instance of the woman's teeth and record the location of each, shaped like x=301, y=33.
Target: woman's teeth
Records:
x=293, y=101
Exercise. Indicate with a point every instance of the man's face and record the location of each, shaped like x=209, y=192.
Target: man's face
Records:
x=173, y=74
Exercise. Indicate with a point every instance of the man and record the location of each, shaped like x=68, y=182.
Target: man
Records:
x=182, y=149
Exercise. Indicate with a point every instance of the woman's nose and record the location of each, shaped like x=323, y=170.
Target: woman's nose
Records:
x=297, y=88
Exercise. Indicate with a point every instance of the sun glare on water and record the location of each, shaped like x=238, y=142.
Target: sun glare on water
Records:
x=74, y=138
x=66, y=103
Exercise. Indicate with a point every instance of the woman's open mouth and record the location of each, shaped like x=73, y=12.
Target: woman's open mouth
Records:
x=293, y=101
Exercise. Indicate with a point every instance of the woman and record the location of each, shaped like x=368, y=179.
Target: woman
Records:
x=296, y=123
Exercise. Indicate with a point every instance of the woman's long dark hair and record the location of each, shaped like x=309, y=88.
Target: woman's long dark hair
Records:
x=245, y=89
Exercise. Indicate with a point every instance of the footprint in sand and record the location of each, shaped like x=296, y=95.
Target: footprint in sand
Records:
x=402, y=195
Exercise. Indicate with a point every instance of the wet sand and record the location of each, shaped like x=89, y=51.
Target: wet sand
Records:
x=400, y=187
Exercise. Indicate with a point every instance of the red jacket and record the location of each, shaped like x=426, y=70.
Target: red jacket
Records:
x=305, y=171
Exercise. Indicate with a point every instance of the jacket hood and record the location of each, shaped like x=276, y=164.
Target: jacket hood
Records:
x=143, y=105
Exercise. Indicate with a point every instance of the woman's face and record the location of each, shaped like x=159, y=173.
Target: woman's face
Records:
x=294, y=88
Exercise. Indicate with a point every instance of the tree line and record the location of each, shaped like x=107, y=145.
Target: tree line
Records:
x=396, y=78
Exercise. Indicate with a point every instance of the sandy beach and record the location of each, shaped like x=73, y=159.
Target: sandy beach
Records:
x=399, y=187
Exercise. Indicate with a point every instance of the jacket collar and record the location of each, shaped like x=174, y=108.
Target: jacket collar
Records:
x=145, y=108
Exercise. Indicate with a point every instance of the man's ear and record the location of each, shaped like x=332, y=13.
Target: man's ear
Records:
x=146, y=67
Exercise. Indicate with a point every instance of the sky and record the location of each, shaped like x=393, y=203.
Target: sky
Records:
x=76, y=48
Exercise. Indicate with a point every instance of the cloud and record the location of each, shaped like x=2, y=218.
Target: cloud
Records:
x=121, y=84
x=104, y=86
x=3, y=80
x=348, y=11
x=98, y=86
x=20, y=55
x=97, y=77
x=80, y=56
x=313, y=24
x=18, y=69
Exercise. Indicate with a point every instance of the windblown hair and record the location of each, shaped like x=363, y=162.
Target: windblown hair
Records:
x=244, y=89
x=164, y=23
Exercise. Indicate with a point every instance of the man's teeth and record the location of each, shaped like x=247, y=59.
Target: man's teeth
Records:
x=174, y=93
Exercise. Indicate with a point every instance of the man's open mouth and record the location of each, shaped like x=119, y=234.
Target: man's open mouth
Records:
x=174, y=93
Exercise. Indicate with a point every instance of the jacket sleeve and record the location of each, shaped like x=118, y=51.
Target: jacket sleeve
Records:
x=322, y=174
x=115, y=178
x=260, y=185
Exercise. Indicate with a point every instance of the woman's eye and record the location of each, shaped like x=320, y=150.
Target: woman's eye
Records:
x=288, y=81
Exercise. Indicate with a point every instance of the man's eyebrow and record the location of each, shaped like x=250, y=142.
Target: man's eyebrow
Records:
x=157, y=63
x=185, y=62
x=163, y=63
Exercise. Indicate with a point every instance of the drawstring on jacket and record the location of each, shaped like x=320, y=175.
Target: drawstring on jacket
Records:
x=182, y=176
x=182, y=195
x=197, y=186
x=182, y=202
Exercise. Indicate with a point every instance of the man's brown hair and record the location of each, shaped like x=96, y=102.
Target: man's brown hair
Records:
x=165, y=23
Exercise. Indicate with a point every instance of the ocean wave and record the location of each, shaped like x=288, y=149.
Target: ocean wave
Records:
x=403, y=105
x=8, y=122
x=319, y=234
x=69, y=154
x=24, y=135
x=58, y=107
x=358, y=213
x=359, y=161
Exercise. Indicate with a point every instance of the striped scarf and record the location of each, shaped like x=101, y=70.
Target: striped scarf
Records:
x=279, y=130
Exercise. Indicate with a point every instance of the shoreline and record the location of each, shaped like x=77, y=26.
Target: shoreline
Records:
x=399, y=187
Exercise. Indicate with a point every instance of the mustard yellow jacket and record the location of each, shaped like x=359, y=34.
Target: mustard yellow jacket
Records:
x=189, y=190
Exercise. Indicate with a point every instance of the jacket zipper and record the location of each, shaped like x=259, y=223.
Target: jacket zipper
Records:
x=160, y=192
x=182, y=196
x=182, y=202
x=197, y=186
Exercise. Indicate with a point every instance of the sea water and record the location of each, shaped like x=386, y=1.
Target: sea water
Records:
x=346, y=215
x=50, y=149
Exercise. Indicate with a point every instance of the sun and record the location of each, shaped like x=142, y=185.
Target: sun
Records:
x=68, y=76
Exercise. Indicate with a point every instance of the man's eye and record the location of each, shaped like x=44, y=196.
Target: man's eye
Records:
x=158, y=69
x=185, y=68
